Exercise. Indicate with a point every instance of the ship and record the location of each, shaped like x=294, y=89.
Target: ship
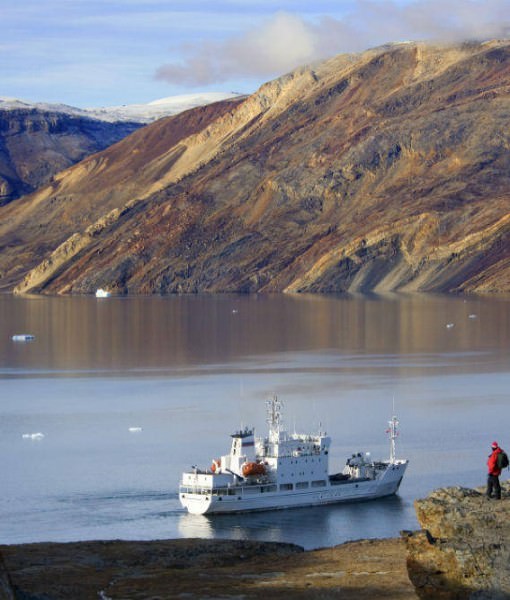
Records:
x=287, y=470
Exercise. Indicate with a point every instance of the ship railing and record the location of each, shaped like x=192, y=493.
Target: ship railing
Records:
x=258, y=488
x=192, y=489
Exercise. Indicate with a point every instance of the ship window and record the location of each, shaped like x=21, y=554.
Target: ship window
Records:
x=301, y=485
x=285, y=486
x=318, y=483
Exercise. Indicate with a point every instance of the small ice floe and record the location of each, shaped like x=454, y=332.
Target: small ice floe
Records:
x=450, y=325
x=135, y=429
x=472, y=316
x=100, y=293
x=23, y=337
x=33, y=436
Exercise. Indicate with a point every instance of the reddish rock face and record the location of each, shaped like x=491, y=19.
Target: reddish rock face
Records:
x=387, y=170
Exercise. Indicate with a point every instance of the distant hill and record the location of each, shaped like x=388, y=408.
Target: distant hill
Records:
x=386, y=170
x=36, y=144
x=37, y=140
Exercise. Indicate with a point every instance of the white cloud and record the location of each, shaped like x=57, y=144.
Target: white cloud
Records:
x=286, y=40
x=279, y=44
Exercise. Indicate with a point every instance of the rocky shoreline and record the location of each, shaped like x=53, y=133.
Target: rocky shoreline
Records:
x=461, y=552
x=194, y=568
x=463, y=548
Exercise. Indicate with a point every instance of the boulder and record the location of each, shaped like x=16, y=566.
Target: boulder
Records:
x=463, y=550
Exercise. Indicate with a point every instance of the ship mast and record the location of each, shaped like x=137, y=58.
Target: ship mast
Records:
x=274, y=418
x=392, y=432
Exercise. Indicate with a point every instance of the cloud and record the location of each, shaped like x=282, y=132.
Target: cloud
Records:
x=285, y=41
x=280, y=44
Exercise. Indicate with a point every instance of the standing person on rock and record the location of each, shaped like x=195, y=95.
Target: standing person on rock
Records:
x=494, y=472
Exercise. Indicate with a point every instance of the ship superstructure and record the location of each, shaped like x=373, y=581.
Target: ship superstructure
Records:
x=285, y=470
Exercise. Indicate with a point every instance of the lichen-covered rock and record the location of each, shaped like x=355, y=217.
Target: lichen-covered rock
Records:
x=463, y=550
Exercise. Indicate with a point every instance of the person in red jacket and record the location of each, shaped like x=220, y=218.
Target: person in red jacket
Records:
x=494, y=473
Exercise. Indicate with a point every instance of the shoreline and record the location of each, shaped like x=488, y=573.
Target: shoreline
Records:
x=462, y=548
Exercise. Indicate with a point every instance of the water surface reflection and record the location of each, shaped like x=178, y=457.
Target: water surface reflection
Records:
x=185, y=372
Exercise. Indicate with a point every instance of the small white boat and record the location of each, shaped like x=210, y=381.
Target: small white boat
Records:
x=23, y=337
x=286, y=470
x=100, y=293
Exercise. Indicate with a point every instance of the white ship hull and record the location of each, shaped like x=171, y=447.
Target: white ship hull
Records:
x=250, y=497
x=285, y=470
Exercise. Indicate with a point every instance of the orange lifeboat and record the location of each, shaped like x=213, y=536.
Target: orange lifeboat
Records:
x=253, y=468
x=216, y=464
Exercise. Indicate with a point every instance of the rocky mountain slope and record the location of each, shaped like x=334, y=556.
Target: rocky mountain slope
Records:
x=388, y=170
x=38, y=140
x=36, y=144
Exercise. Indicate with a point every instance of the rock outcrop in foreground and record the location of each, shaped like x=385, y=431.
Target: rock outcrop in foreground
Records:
x=197, y=569
x=463, y=550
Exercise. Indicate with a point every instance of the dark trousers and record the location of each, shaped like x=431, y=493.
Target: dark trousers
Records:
x=493, y=484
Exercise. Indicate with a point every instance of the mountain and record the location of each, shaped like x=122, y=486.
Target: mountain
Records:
x=386, y=170
x=36, y=144
x=37, y=140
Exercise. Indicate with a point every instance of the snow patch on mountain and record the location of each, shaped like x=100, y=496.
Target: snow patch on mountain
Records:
x=138, y=113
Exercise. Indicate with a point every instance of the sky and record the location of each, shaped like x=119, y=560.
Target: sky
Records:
x=91, y=53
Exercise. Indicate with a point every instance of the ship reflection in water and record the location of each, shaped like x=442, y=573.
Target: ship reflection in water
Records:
x=312, y=527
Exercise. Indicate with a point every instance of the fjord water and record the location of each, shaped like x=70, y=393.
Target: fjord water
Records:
x=129, y=392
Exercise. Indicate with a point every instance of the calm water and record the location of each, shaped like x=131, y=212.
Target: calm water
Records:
x=190, y=370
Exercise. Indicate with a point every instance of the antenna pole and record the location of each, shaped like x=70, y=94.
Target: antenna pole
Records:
x=393, y=434
x=274, y=417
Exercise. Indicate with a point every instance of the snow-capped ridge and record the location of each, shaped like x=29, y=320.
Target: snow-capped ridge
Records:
x=138, y=113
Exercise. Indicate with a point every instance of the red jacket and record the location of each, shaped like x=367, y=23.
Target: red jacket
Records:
x=492, y=463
